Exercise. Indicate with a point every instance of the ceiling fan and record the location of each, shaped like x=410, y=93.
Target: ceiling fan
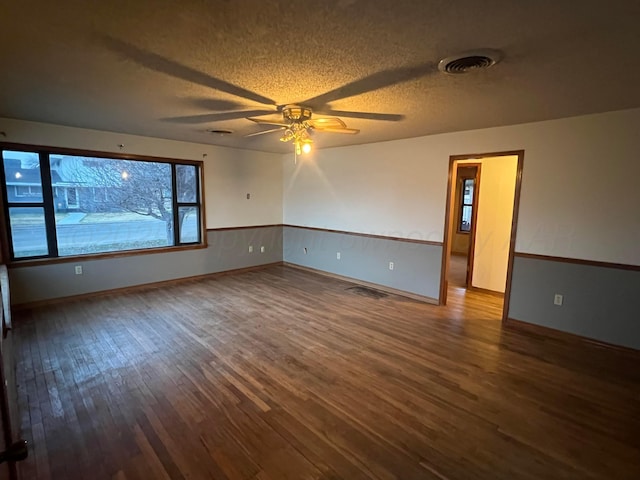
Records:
x=297, y=122
x=297, y=126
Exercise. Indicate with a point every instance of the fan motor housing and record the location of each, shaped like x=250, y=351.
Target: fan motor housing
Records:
x=296, y=113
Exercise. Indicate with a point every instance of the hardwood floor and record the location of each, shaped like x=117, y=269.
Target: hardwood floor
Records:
x=284, y=374
x=458, y=271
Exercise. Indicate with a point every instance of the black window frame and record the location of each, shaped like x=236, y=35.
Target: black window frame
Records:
x=47, y=202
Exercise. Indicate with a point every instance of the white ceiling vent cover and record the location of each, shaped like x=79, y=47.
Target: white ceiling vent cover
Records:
x=469, y=61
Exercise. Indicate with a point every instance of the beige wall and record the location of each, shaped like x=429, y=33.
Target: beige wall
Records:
x=493, y=224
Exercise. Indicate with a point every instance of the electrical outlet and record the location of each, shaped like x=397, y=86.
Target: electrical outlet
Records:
x=262, y=249
x=250, y=248
x=557, y=299
x=391, y=265
x=248, y=196
x=78, y=269
x=305, y=250
x=338, y=255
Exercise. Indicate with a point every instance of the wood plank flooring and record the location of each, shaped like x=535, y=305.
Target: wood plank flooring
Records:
x=458, y=270
x=285, y=374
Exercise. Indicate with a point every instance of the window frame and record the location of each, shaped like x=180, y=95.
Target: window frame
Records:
x=462, y=204
x=48, y=201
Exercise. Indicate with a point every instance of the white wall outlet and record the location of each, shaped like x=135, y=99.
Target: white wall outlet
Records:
x=338, y=255
x=262, y=249
x=557, y=299
x=391, y=265
x=250, y=248
x=78, y=269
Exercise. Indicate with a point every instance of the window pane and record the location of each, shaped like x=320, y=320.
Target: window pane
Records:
x=111, y=205
x=467, y=196
x=465, y=222
x=28, y=232
x=80, y=233
x=189, y=224
x=186, y=183
x=22, y=174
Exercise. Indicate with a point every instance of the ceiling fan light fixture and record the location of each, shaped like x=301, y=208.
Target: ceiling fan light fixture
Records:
x=297, y=126
x=288, y=135
x=469, y=61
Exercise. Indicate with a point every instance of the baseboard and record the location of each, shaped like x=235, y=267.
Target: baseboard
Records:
x=495, y=293
x=393, y=291
x=568, y=338
x=137, y=288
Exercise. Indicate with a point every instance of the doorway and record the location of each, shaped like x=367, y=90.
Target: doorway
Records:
x=483, y=197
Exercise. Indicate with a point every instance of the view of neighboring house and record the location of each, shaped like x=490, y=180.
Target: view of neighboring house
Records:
x=24, y=183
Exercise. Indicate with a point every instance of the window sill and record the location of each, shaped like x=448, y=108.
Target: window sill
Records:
x=102, y=256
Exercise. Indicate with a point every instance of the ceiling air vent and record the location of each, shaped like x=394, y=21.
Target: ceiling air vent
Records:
x=469, y=61
x=220, y=132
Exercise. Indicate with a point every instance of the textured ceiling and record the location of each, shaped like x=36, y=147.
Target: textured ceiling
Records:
x=174, y=69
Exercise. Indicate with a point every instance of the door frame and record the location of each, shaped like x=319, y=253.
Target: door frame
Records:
x=448, y=223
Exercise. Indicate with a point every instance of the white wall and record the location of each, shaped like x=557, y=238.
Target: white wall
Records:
x=493, y=223
x=229, y=173
x=579, y=194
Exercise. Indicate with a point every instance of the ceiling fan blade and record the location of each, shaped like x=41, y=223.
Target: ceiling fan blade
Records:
x=389, y=117
x=330, y=122
x=279, y=129
x=375, y=81
x=158, y=63
x=214, y=117
x=351, y=131
x=268, y=122
x=214, y=104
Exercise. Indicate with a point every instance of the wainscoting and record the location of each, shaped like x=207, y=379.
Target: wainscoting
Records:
x=416, y=264
x=600, y=301
x=228, y=249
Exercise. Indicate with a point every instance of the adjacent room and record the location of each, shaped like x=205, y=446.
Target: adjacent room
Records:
x=344, y=239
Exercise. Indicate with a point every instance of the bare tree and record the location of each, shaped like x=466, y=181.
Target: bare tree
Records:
x=143, y=188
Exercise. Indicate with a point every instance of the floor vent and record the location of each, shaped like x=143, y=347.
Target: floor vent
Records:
x=368, y=292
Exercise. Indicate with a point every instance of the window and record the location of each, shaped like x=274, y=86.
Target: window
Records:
x=25, y=206
x=59, y=205
x=28, y=191
x=466, y=205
